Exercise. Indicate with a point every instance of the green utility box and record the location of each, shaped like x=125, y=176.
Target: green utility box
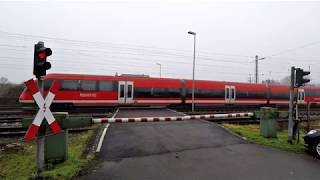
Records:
x=56, y=149
x=56, y=146
x=268, y=122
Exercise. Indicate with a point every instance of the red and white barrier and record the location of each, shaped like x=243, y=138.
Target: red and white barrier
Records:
x=44, y=109
x=177, y=118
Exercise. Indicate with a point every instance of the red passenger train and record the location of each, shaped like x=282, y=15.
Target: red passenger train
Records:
x=95, y=90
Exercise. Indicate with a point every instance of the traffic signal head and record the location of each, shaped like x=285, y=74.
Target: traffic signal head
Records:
x=40, y=64
x=300, y=79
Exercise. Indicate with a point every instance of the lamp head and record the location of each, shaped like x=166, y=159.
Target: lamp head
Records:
x=193, y=33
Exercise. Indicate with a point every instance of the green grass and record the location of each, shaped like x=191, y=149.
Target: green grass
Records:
x=21, y=164
x=252, y=134
x=17, y=164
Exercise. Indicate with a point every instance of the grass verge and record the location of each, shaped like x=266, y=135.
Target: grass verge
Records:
x=252, y=134
x=20, y=164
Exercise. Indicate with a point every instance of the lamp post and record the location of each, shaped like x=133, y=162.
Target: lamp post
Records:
x=160, y=68
x=194, y=58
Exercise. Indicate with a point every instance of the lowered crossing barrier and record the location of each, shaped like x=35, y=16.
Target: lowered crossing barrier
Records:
x=174, y=118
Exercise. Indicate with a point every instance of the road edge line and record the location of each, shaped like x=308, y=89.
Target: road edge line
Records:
x=181, y=113
x=102, y=138
x=104, y=133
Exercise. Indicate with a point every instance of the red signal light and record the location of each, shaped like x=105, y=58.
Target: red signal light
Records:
x=42, y=55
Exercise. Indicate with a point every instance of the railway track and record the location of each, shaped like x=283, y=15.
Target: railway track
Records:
x=11, y=116
x=302, y=112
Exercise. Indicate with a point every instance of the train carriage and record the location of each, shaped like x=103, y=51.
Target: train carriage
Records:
x=93, y=90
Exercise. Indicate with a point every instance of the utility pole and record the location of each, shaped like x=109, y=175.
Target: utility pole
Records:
x=256, y=70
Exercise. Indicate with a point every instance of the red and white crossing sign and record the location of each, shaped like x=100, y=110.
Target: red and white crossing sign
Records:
x=44, y=109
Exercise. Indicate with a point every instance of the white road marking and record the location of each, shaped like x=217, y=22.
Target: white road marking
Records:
x=102, y=138
x=104, y=133
x=181, y=113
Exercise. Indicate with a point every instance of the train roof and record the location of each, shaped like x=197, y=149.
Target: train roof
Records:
x=90, y=76
x=127, y=77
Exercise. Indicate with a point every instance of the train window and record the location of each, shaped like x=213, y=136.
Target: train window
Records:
x=122, y=90
x=160, y=92
x=302, y=95
x=233, y=93
x=88, y=85
x=227, y=96
x=47, y=84
x=129, y=92
x=173, y=92
x=312, y=92
x=279, y=95
x=69, y=85
x=107, y=86
x=205, y=93
x=189, y=93
x=251, y=94
x=142, y=92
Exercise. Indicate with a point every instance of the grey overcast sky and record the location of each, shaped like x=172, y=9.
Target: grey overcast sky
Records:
x=132, y=37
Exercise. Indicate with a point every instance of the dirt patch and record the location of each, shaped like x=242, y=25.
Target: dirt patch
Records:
x=11, y=144
x=91, y=149
x=92, y=142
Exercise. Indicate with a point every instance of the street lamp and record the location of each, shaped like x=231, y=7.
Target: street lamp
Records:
x=160, y=68
x=194, y=58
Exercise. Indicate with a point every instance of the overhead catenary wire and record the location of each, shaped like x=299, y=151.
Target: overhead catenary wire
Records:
x=295, y=48
x=122, y=53
x=117, y=45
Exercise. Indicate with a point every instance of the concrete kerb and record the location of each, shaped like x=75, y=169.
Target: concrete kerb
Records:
x=231, y=132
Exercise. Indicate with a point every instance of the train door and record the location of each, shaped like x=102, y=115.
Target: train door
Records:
x=125, y=92
x=227, y=94
x=230, y=94
x=129, y=93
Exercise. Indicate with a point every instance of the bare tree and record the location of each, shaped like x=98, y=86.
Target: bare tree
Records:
x=285, y=80
x=270, y=81
x=4, y=80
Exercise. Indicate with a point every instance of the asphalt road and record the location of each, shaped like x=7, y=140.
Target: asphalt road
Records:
x=146, y=112
x=192, y=150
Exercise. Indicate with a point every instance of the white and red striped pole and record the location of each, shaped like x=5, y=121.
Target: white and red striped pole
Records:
x=173, y=118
